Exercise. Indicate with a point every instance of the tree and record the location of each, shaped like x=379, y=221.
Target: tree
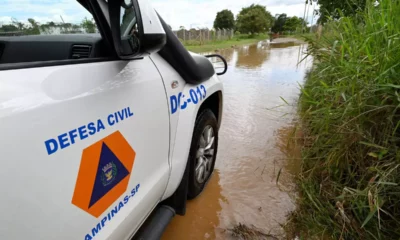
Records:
x=280, y=21
x=8, y=28
x=334, y=8
x=293, y=23
x=18, y=24
x=34, y=28
x=88, y=25
x=254, y=19
x=224, y=19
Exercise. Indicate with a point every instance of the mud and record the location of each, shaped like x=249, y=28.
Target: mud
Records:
x=253, y=182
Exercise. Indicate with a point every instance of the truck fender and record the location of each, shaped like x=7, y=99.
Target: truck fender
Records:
x=183, y=137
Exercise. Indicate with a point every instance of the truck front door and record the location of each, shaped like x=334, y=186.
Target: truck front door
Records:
x=84, y=146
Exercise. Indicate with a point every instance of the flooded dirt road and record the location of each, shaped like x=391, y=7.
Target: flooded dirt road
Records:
x=261, y=90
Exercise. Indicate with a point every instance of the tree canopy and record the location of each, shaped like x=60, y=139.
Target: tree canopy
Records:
x=224, y=19
x=334, y=8
x=8, y=28
x=293, y=24
x=280, y=21
x=33, y=29
x=254, y=19
x=283, y=23
x=88, y=25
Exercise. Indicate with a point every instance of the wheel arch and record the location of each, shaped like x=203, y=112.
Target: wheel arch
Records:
x=214, y=103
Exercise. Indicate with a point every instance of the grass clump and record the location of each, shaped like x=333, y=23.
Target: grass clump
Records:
x=349, y=182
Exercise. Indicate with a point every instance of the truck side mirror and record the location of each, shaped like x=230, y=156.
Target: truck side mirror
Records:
x=135, y=27
x=219, y=63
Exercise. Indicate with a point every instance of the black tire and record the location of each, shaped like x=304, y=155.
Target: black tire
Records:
x=204, y=121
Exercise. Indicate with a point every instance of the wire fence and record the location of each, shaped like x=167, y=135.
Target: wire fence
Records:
x=204, y=35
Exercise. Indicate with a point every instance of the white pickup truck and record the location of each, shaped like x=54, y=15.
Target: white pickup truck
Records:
x=104, y=136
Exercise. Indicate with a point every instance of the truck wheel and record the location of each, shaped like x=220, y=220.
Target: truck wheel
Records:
x=203, y=152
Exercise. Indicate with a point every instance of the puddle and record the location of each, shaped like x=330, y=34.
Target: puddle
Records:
x=261, y=90
x=201, y=217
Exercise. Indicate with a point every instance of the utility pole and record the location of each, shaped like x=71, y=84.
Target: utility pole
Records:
x=308, y=10
x=64, y=27
x=312, y=19
x=304, y=16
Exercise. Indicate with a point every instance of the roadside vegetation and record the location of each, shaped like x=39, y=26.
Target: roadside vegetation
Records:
x=350, y=122
x=237, y=40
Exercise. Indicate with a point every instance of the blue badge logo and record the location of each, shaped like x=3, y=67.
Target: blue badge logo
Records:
x=109, y=172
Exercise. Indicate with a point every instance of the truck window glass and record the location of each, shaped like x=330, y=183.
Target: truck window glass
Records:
x=44, y=17
x=47, y=32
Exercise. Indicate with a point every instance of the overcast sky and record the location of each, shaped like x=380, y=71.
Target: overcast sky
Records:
x=187, y=13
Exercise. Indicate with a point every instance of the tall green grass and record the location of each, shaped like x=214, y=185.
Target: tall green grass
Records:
x=349, y=182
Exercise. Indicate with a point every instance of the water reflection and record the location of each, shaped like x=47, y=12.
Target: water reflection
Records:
x=289, y=143
x=201, y=217
x=227, y=53
x=252, y=56
x=284, y=44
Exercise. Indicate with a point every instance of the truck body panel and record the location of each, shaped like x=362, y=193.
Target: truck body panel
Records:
x=74, y=107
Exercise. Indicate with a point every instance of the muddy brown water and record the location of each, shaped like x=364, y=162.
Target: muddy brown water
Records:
x=261, y=92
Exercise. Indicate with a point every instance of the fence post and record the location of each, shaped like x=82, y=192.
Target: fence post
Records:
x=200, y=38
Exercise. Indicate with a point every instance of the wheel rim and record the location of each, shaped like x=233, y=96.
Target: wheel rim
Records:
x=205, y=154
